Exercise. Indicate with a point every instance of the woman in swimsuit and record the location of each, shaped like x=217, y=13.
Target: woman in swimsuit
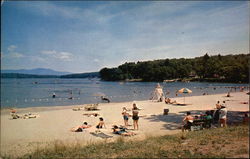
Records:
x=135, y=116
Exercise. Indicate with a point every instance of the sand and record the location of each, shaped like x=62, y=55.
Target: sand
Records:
x=20, y=136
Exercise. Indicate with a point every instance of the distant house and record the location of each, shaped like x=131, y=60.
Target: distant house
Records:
x=192, y=74
x=216, y=75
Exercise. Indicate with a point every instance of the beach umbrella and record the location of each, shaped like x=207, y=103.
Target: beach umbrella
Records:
x=184, y=91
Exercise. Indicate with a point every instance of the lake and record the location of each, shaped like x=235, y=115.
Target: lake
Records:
x=38, y=92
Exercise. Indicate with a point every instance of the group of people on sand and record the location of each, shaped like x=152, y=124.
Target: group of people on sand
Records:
x=135, y=116
x=217, y=117
x=122, y=130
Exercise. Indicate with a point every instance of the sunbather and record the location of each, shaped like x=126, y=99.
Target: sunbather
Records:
x=122, y=131
x=91, y=114
x=168, y=101
x=80, y=128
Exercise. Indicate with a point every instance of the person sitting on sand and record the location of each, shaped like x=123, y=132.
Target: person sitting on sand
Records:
x=122, y=131
x=135, y=116
x=80, y=128
x=101, y=124
x=245, y=119
x=208, y=119
x=125, y=116
x=189, y=120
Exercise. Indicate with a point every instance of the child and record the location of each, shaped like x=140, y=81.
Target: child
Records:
x=125, y=116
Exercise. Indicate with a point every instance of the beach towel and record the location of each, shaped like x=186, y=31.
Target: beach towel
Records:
x=101, y=135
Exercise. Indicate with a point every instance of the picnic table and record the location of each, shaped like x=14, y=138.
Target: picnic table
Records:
x=199, y=124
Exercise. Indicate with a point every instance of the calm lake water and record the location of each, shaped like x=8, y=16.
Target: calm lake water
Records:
x=38, y=92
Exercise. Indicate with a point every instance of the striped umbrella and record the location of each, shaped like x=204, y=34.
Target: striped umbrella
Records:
x=184, y=91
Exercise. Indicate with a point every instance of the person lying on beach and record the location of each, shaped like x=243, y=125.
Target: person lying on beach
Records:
x=168, y=101
x=101, y=124
x=187, y=122
x=76, y=109
x=122, y=131
x=15, y=116
x=80, y=128
x=29, y=115
x=91, y=114
x=243, y=102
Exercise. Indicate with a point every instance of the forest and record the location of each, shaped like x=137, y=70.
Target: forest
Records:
x=217, y=68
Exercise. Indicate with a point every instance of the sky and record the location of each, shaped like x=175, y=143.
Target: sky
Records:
x=85, y=36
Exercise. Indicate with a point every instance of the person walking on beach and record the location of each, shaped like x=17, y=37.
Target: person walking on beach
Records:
x=135, y=116
x=125, y=116
x=187, y=122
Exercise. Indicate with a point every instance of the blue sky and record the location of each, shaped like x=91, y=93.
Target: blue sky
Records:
x=84, y=36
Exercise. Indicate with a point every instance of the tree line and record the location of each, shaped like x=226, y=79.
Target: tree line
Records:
x=228, y=68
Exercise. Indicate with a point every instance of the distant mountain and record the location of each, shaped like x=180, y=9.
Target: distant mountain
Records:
x=37, y=71
x=78, y=75
x=19, y=75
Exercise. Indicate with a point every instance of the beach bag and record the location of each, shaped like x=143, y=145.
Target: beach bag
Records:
x=165, y=111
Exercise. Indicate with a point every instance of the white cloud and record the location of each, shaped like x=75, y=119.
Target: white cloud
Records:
x=12, y=53
x=11, y=48
x=50, y=52
x=15, y=55
x=63, y=56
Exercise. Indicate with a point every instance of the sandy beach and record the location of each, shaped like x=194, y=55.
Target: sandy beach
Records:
x=54, y=123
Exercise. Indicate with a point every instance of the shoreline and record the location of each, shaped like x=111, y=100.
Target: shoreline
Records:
x=5, y=110
x=54, y=123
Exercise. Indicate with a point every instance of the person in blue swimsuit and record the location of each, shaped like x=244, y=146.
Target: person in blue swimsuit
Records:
x=125, y=116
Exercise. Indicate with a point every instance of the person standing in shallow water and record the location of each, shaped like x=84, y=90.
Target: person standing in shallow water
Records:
x=135, y=116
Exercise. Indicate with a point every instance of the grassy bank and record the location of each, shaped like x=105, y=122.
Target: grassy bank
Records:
x=214, y=143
